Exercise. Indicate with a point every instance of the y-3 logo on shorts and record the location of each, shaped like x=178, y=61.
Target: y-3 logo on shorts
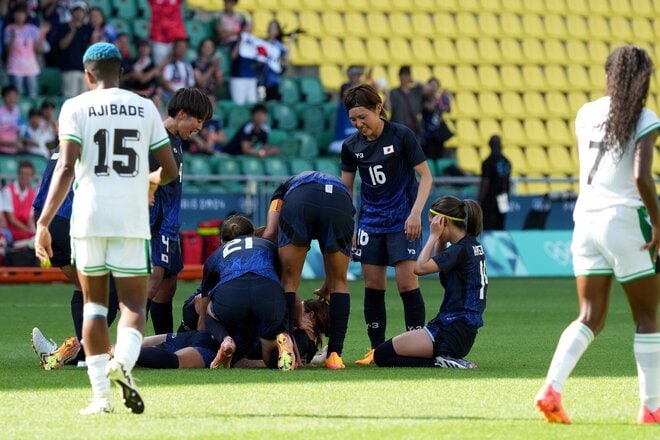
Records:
x=411, y=252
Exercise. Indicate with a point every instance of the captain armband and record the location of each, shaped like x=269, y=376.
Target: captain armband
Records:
x=276, y=205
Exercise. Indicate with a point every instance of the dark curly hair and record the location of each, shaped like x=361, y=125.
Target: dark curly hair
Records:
x=628, y=70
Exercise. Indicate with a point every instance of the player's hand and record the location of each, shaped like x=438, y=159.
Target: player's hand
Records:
x=654, y=244
x=43, y=245
x=154, y=183
x=438, y=225
x=413, y=227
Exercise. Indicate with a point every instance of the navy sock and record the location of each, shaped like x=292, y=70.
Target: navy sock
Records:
x=375, y=315
x=290, y=298
x=340, y=307
x=77, y=312
x=113, y=302
x=413, y=309
x=155, y=357
x=217, y=329
x=161, y=317
x=385, y=356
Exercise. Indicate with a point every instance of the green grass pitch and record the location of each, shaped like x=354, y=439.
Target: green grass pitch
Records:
x=524, y=319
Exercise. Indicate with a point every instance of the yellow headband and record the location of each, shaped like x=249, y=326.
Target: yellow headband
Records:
x=445, y=215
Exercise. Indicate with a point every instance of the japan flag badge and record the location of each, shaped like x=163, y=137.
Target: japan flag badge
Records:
x=388, y=150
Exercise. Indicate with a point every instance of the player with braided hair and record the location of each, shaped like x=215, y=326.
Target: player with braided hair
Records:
x=616, y=230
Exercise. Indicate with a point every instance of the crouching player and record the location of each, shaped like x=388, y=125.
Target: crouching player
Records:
x=447, y=338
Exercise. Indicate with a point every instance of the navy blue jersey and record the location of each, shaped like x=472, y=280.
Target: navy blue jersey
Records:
x=463, y=275
x=40, y=199
x=306, y=177
x=210, y=273
x=244, y=255
x=386, y=166
x=165, y=215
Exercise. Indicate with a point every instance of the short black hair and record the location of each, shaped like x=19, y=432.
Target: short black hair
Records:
x=8, y=89
x=495, y=142
x=104, y=69
x=191, y=100
x=34, y=112
x=258, y=108
x=404, y=69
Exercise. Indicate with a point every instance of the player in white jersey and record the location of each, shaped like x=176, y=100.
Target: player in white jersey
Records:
x=106, y=134
x=616, y=230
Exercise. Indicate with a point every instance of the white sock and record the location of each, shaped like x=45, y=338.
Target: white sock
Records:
x=127, y=348
x=572, y=344
x=647, y=354
x=97, y=377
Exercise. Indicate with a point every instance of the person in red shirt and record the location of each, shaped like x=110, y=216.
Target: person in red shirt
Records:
x=17, y=198
x=166, y=27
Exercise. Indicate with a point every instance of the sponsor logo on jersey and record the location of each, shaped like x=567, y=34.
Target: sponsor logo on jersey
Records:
x=388, y=150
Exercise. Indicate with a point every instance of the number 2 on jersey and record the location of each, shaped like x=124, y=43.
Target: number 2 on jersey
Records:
x=236, y=245
x=125, y=168
x=377, y=175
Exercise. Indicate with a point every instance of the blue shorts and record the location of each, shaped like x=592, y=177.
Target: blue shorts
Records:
x=387, y=249
x=202, y=342
x=166, y=253
x=314, y=212
x=455, y=339
x=189, y=315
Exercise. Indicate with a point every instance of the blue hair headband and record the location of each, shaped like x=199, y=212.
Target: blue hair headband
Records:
x=101, y=51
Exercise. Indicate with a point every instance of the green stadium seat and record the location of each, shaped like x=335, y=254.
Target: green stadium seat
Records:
x=197, y=165
x=228, y=166
x=307, y=146
x=237, y=115
x=252, y=166
x=312, y=89
x=328, y=165
x=126, y=9
x=285, y=141
x=275, y=166
x=283, y=116
x=141, y=28
x=40, y=163
x=298, y=165
x=289, y=91
x=443, y=164
x=104, y=5
x=197, y=31
x=122, y=26
x=8, y=166
x=50, y=81
x=312, y=117
x=144, y=10
x=325, y=138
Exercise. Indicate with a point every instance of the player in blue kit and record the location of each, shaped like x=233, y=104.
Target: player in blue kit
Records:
x=248, y=290
x=188, y=109
x=315, y=206
x=448, y=337
x=387, y=156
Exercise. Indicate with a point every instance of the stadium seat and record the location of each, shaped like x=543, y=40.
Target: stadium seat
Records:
x=467, y=78
x=356, y=24
x=237, y=116
x=421, y=72
x=555, y=77
x=511, y=51
x=283, y=116
x=310, y=22
x=469, y=160
x=275, y=166
x=104, y=5
x=122, y=26
x=535, y=105
x=467, y=132
x=271, y=5
x=309, y=51
x=401, y=25
x=489, y=78
x=260, y=19
x=489, y=51
x=289, y=91
x=288, y=20
x=599, y=7
x=378, y=50
x=312, y=117
x=557, y=104
x=229, y=166
x=299, y=165
x=284, y=141
x=308, y=147
x=126, y=9
x=490, y=105
x=487, y=128
x=466, y=24
x=144, y=10
x=534, y=6
x=355, y=51
x=333, y=24
x=599, y=29
x=512, y=5
x=642, y=8
x=445, y=25
x=376, y=5
x=422, y=25
x=489, y=25
x=466, y=48
x=511, y=25
x=446, y=76
x=197, y=31
x=575, y=101
x=598, y=52
x=490, y=6
x=555, y=26
x=331, y=76
x=642, y=30
x=577, y=7
x=577, y=52
x=400, y=50
x=577, y=27
x=535, y=132
x=513, y=132
x=8, y=166
x=422, y=50
x=558, y=132
x=597, y=79
x=327, y=165
x=445, y=51
x=537, y=160
x=378, y=25
x=512, y=105
x=578, y=78
x=533, y=51
x=533, y=25
x=536, y=188
x=50, y=81
x=517, y=158
x=511, y=78
x=556, y=7
x=332, y=49
x=252, y=166
x=197, y=165
x=533, y=78
x=141, y=28
x=466, y=105
x=427, y=5
x=312, y=89
x=560, y=160
x=555, y=51
x=328, y=5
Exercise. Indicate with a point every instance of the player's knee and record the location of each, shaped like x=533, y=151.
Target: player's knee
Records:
x=94, y=310
x=646, y=324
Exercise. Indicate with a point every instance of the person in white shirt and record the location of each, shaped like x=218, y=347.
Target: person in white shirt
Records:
x=107, y=134
x=617, y=230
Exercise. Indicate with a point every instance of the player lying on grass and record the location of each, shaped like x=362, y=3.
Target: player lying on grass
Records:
x=448, y=337
x=197, y=349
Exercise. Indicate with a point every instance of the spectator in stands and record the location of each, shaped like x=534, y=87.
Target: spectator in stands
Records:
x=211, y=137
x=178, y=73
x=495, y=185
x=10, y=122
x=252, y=137
x=36, y=135
x=207, y=68
x=270, y=78
x=72, y=40
x=229, y=26
x=140, y=77
x=123, y=43
x=166, y=27
x=17, y=198
x=244, y=72
x=56, y=12
x=50, y=118
x=405, y=102
x=436, y=101
x=101, y=30
x=22, y=41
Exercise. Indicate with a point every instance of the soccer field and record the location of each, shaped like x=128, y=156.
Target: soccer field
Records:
x=523, y=321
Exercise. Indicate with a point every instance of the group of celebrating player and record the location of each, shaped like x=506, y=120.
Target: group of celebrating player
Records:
x=247, y=312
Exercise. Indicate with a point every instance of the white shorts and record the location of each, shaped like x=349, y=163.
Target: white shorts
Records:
x=124, y=257
x=610, y=241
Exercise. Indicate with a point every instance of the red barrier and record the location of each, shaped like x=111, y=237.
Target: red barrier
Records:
x=22, y=275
